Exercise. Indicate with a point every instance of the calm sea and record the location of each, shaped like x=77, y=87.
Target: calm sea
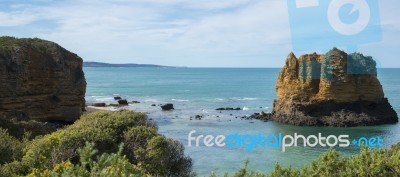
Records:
x=199, y=91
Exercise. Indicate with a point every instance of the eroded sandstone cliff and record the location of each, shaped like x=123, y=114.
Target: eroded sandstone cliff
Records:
x=335, y=89
x=40, y=80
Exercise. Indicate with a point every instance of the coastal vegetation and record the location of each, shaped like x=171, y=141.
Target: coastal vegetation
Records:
x=126, y=143
x=368, y=163
x=122, y=143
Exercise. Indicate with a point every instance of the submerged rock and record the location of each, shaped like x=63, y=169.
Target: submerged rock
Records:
x=261, y=116
x=123, y=102
x=117, y=98
x=40, y=80
x=228, y=109
x=99, y=104
x=167, y=107
x=198, y=117
x=335, y=89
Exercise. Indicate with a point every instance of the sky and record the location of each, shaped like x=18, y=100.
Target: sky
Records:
x=205, y=33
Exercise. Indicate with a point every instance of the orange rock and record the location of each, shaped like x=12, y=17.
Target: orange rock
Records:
x=315, y=88
x=40, y=80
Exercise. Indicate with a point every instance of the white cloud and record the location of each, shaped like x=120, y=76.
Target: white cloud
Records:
x=174, y=32
x=16, y=19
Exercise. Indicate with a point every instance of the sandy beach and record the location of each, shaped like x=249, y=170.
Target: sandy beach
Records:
x=90, y=109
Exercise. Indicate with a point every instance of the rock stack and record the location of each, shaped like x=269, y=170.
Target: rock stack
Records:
x=335, y=89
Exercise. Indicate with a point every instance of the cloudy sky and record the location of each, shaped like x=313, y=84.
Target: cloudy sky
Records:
x=197, y=33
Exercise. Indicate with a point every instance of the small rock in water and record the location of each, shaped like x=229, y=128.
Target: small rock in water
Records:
x=198, y=117
x=153, y=104
x=99, y=104
x=123, y=102
x=135, y=102
x=117, y=98
x=228, y=109
x=167, y=107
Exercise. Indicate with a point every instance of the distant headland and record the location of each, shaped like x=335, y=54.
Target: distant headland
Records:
x=100, y=64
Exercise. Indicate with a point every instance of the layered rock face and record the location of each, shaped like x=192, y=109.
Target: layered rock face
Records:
x=335, y=89
x=40, y=80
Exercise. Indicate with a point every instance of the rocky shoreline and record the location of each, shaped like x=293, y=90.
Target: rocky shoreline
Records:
x=328, y=113
x=99, y=106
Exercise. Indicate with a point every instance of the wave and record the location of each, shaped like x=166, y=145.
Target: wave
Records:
x=91, y=99
x=247, y=99
x=236, y=99
x=105, y=99
x=151, y=100
x=245, y=108
x=242, y=99
x=179, y=100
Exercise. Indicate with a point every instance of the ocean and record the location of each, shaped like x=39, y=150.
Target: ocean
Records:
x=199, y=91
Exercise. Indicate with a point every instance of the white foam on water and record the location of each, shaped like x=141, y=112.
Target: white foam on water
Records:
x=179, y=100
x=151, y=100
x=247, y=99
x=105, y=99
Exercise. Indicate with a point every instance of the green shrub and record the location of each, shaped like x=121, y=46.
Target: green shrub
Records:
x=20, y=128
x=105, y=129
x=14, y=168
x=156, y=154
x=10, y=147
x=145, y=147
x=107, y=165
x=370, y=163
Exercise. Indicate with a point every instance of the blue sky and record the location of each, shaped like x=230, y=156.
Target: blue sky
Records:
x=197, y=33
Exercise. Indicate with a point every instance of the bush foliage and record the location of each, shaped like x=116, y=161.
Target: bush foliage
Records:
x=110, y=165
x=368, y=163
x=145, y=149
x=10, y=147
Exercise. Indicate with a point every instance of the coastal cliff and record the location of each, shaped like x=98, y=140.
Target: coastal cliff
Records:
x=335, y=89
x=40, y=81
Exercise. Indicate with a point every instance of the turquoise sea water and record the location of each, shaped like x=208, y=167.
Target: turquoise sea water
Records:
x=199, y=91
